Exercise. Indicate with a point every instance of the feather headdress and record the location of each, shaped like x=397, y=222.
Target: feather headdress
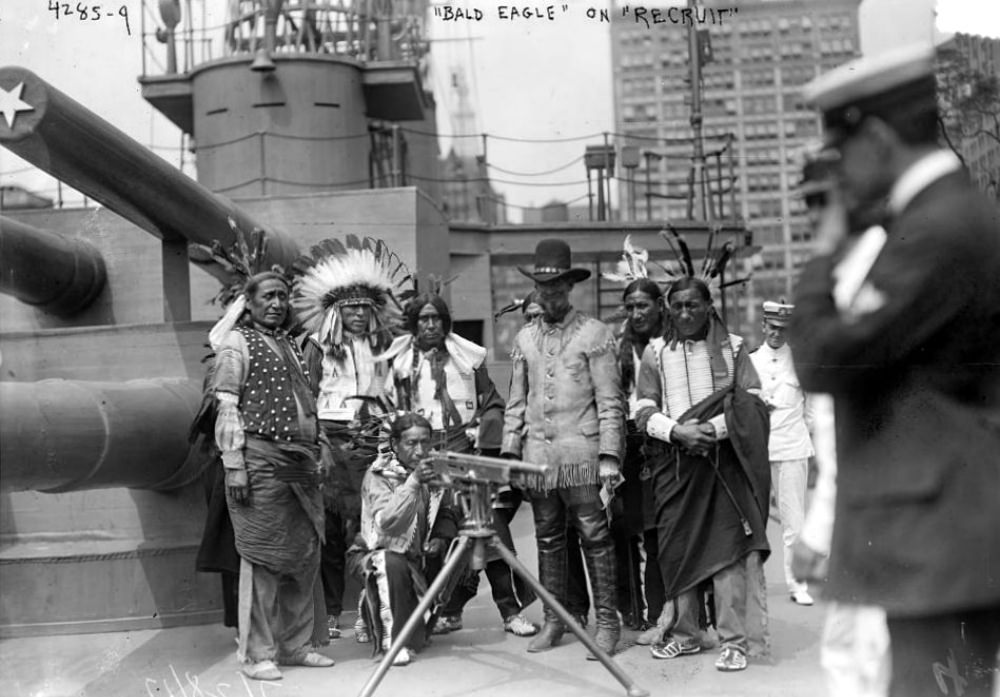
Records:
x=635, y=262
x=243, y=260
x=632, y=264
x=360, y=272
x=713, y=265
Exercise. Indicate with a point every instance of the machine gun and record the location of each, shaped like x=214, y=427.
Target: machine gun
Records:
x=475, y=478
x=466, y=469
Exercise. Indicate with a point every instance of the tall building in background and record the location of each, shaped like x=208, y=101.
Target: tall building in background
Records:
x=755, y=63
x=967, y=65
x=467, y=192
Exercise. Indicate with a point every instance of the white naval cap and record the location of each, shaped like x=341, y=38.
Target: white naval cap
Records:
x=891, y=82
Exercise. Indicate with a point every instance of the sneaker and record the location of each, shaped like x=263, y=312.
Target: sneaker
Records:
x=447, y=623
x=518, y=625
x=333, y=626
x=673, y=649
x=403, y=658
x=802, y=598
x=730, y=660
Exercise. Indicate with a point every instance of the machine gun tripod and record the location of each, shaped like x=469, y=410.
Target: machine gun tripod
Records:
x=475, y=478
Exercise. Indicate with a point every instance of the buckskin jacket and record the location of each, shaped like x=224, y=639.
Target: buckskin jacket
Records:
x=566, y=406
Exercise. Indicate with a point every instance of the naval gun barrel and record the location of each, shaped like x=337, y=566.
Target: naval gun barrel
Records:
x=59, y=274
x=62, y=137
x=71, y=435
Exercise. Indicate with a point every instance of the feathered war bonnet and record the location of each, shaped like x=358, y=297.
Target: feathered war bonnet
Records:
x=360, y=272
x=634, y=265
x=243, y=262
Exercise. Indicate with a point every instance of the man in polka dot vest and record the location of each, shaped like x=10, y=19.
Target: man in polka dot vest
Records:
x=267, y=431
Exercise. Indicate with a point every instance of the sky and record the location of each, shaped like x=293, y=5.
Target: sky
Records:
x=531, y=79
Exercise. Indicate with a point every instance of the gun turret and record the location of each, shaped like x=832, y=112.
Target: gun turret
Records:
x=61, y=136
x=59, y=274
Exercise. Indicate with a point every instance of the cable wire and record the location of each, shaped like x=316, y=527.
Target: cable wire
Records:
x=536, y=174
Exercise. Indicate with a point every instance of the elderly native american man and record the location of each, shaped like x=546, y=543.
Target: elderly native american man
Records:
x=404, y=524
x=346, y=298
x=902, y=328
x=267, y=432
x=566, y=410
x=443, y=377
x=712, y=479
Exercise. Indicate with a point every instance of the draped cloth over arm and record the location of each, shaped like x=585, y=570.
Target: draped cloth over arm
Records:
x=700, y=529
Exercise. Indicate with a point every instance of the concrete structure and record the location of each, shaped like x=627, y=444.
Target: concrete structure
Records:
x=292, y=97
x=753, y=118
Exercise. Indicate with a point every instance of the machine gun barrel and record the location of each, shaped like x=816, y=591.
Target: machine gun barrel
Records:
x=470, y=468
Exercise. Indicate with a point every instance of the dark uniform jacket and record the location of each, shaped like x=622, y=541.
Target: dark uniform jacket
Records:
x=916, y=384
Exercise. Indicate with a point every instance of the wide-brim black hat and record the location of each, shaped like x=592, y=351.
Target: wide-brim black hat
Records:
x=553, y=262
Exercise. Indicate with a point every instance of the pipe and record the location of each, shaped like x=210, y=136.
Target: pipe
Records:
x=71, y=435
x=59, y=274
x=75, y=145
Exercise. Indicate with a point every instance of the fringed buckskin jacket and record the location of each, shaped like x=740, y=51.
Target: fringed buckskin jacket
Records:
x=566, y=407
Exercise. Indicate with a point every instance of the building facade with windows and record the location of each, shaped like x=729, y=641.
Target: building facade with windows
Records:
x=980, y=146
x=754, y=122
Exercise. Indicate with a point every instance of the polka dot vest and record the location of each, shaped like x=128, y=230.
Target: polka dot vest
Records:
x=268, y=401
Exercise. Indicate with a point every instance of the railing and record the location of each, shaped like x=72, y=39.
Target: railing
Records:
x=175, y=39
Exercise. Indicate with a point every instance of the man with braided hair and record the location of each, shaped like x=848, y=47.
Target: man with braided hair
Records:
x=443, y=377
x=268, y=434
x=406, y=524
x=346, y=297
x=696, y=399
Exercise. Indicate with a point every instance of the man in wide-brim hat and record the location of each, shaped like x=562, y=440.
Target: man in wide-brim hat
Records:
x=566, y=409
x=553, y=263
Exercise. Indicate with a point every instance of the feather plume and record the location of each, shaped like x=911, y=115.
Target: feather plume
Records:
x=242, y=260
x=685, y=256
x=513, y=306
x=632, y=264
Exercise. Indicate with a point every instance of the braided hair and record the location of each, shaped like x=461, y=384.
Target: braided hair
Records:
x=629, y=338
